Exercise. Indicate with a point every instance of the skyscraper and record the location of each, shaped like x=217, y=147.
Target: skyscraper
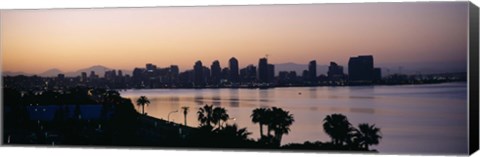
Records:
x=174, y=73
x=263, y=70
x=216, y=72
x=335, y=72
x=360, y=70
x=312, y=71
x=233, y=65
x=198, y=74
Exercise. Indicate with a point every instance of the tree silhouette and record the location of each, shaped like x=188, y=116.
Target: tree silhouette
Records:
x=233, y=133
x=112, y=97
x=219, y=115
x=367, y=135
x=210, y=116
x=205, y=116
x=276, y=119
x=280, y=124
x=142, y=101
x=259, y=115
x=109, y=100
x=338, y=128
x=185, y=112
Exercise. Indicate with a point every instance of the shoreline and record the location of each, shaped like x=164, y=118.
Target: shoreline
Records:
x=372, y=85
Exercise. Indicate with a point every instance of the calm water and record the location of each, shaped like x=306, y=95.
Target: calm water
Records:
x=426, y=119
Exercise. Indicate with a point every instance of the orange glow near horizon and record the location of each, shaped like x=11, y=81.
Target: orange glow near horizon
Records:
x=34, y=41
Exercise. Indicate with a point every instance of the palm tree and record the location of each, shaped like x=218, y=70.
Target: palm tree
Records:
x=232, y=131
x=220, y=115
x=185, y=111
x=142, y=101
x=337, y=127
x=259, y=116
x=280, y=124
x=367, y=135
x=205, y=115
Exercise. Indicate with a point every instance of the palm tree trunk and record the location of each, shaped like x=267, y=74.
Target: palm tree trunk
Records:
x=278, y=137
x=185, y=119
x=261, y=129
x=143, y=109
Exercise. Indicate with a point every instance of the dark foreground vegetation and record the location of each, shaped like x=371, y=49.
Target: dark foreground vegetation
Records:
x=98, y=117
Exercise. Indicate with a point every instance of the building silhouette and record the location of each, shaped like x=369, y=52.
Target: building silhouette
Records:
x=93, y=75
x=360, y=70
x=225, y=74
x=206, y=75
x=335, y=72
x=233, y=65
x=174, y=71
x=263, y=70
x=198, y=74
x=120, y=73
x=83, y=77
x=312, y=71
x=248, y=74
x=305, y=75
x=377, y=75
x=216, y=72
x=271, y=73
x=150, y=67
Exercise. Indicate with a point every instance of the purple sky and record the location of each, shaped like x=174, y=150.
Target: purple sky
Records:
x=423, y=36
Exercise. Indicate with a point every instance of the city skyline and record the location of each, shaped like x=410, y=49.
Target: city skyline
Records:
x=124, y=38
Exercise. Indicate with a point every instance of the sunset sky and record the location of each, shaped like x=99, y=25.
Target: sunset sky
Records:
x=411, y=35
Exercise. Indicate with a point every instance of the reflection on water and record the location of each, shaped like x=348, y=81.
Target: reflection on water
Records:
x=312, y=92
x=234, y=98
x=413, y=118
x=263, y=95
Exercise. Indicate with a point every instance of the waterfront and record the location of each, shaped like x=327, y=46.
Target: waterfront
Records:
x=428, y=119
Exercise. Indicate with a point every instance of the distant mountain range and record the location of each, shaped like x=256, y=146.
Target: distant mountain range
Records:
x=9, y=73
x=98, y=69
x=51, y=72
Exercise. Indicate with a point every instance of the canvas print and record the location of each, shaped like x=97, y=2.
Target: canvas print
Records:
x=388, y=78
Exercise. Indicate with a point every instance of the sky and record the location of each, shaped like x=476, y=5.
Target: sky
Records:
x=421, y=35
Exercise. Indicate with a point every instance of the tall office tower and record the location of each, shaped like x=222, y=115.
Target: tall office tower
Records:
x=198, y=74
x=216, y=72
x=233, y=65
x=312, y=71
x=263, y=70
